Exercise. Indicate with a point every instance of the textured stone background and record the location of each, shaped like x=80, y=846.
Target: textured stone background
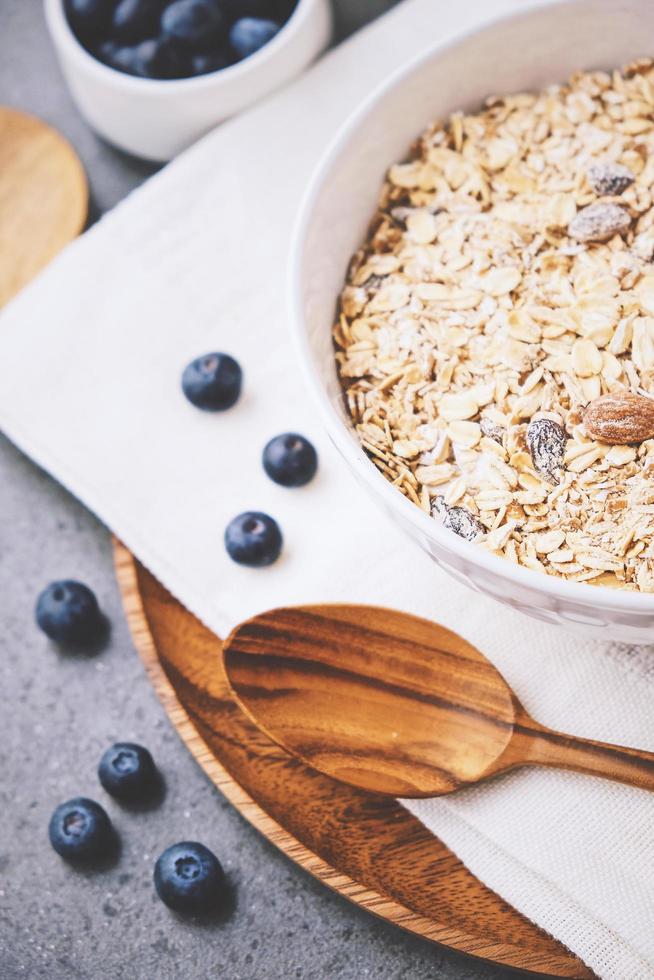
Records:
x=59, y=712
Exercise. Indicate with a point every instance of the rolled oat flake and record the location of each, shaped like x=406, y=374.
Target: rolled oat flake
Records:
x=546, y=440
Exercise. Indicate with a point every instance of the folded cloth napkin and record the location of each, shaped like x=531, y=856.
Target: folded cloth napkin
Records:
x=90, y=361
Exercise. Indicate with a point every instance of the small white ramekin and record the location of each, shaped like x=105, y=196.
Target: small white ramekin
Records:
x=525, y=51
x=156, y=119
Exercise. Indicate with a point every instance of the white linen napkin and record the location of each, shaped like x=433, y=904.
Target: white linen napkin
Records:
x=90, y=360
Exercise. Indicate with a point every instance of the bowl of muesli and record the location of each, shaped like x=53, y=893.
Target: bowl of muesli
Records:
x=473, y=293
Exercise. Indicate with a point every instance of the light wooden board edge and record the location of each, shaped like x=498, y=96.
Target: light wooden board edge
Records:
x=35, y=155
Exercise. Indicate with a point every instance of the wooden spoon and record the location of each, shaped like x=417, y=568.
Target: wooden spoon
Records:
x=398, y=705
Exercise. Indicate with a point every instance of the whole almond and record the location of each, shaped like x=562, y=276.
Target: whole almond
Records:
x=620, y=418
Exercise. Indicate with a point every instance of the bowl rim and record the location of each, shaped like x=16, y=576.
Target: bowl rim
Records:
x=582, y=593
x=66, y=39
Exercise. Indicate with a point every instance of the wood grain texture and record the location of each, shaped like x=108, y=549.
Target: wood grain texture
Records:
x=398, y=705
x=43, y=198
x=364, y=846
x=534, y=744
x=374, y=697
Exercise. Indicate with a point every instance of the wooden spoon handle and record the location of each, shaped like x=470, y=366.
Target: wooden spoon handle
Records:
x=545, y=747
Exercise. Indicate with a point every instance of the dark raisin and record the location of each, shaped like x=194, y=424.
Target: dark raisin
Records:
x=491, y=430
x=609, y=178
x=458, y=519
x=546, y=440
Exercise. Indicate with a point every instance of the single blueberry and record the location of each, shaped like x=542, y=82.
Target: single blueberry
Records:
x=212, y=382
x=198, y=24
x=253, y=539
x=134, y=20
x=189, y=878
x=89, y=18
x=80, y=830
x=203, y=64
x=127, y=771
x=106, y=51
x=145, y=58
x=249, y=34
x=161, y=58
x=119, y=56
x=68, y=612
x=290, y=460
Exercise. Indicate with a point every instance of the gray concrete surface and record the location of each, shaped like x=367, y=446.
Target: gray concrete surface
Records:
x=59, y=712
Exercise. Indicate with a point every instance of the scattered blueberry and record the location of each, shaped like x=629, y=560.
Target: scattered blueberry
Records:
x=249, y=34
x=127, y=771
x=68, y=612
x=189, y=878
x=212, y=382
x=80, y=830
x=198, y=24
x=253, y=539
x=135, y=20
x=290, y=460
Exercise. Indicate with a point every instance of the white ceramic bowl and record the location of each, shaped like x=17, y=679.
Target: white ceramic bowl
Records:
x=157, y=119
x=526, y=51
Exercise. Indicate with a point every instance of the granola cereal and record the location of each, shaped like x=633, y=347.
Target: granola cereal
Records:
x=505, y=289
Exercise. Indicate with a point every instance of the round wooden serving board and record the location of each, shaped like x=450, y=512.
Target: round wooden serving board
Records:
x=367, y=848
